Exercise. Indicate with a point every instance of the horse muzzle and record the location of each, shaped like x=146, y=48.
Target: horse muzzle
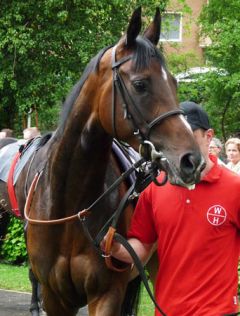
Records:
x=187, y=174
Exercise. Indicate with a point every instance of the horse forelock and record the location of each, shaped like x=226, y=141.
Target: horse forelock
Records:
x=68, y=104
x=144, y=52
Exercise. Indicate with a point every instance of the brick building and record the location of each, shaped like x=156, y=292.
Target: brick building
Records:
x=180, y=32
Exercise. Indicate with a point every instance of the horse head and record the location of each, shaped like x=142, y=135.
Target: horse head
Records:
x=143, y=108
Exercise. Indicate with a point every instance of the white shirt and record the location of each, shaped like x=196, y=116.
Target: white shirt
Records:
x=234, y=167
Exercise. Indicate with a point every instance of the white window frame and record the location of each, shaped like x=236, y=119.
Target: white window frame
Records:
x=179, y=39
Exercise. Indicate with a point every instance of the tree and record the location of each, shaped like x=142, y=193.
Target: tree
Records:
x=45, y=45
x=220, y=21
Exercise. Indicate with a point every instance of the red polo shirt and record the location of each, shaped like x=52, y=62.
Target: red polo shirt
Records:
x=198, y=246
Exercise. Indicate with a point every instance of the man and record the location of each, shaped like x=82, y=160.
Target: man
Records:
x=31, y=132
x=215, y=148
x=196, y=233
x=6, y=132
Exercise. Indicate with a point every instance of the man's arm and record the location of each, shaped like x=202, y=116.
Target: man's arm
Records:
x=119, y=252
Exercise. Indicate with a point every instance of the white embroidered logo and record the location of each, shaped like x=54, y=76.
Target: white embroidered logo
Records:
x=216, y=215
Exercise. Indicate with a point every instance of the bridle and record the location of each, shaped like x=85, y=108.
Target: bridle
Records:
x=141, y=127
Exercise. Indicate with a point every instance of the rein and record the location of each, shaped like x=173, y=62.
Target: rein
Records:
x=142, y=129
x=81, y=215
x=143, y=179
x=110, y=227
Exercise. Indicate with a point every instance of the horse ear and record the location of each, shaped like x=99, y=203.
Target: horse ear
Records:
x=134, y=28
x=153, y=31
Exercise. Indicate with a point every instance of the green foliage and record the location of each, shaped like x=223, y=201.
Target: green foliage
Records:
x=190, y=91
x=14, y=248
x=45, y=45
x=220, y=21
x=178, y=63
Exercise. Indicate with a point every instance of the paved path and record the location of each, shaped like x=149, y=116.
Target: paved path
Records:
x=17, y=304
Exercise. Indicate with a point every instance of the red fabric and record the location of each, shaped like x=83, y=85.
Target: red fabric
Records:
x=10, y=186
x=198, y=243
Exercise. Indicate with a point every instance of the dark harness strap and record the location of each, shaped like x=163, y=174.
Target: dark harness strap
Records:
x=110, y=229
x=139, y=267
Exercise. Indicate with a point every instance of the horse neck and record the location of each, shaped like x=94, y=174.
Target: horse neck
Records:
x=79, y=159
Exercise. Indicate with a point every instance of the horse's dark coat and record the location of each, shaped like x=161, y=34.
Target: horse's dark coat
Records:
x=79, y=167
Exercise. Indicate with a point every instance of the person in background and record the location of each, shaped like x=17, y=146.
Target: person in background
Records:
x=232, y=148
x=31, y=132
x=215, y=148
x=6, y=132
x=196, y=232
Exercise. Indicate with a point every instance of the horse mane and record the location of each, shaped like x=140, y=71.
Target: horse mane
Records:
x=142, y=55
x=70, y=100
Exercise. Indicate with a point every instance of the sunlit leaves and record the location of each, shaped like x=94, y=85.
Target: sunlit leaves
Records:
x=45, y=45
x=220, y=21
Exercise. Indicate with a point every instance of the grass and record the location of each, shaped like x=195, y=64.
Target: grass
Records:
x=146, y=305
x=16, y=278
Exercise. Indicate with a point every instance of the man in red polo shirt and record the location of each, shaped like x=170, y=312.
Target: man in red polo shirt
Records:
x=196, y=233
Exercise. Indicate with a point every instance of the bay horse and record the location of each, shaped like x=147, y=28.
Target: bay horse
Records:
x=126, y=92
x=4, y=215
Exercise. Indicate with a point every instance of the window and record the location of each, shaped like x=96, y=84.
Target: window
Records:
x=171, y=27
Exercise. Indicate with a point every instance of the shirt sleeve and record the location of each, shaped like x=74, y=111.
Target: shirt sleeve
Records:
x=142, y=224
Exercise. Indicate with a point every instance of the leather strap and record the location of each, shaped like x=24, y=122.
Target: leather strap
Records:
x=10, y=187
x=139, y=267
x=108, y=247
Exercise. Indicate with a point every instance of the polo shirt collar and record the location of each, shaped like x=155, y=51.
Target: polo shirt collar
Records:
x=215, y=172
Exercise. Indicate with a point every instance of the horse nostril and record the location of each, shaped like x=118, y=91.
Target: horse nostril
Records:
x=190, y=163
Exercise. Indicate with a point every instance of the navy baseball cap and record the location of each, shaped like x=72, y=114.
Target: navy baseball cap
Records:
x=195, y=115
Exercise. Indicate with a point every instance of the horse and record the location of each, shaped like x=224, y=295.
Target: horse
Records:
x=35, y=306
x=126, y=92
x=6, y=141
x=4, y=216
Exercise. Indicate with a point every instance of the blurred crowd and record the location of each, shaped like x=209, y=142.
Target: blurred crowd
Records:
x=28, y=133
x=228, y=154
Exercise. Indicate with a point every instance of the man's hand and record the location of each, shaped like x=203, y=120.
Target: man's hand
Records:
x=120, y=253
x=115, y=246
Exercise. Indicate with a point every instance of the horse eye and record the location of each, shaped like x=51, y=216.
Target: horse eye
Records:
x=139, y=86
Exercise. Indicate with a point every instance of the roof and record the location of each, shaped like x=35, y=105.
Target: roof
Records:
x=193, y=73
